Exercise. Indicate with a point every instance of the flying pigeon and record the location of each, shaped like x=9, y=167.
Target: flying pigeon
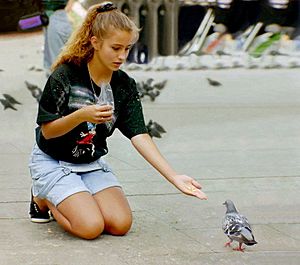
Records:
x=153, y=132
x=30, y=86
x=11, y=99
x=237, y=227
x=155, y=129
x=149, y=81
x=147, y=85
x=36, y=92
x=158, y=127
x=213, y=82
x=140, y=89
x=152, y=94
x=145, y=88
x=7, y=104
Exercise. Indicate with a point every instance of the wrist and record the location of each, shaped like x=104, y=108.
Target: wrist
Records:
x=172, y=177
x=80, y=115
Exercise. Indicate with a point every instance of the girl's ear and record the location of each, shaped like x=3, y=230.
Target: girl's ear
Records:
x=95, y=42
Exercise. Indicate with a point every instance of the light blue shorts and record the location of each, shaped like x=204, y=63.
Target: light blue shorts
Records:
x=55, y=180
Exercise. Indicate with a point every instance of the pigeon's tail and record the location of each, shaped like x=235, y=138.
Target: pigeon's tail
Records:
x=250, y=243
x=247, y=236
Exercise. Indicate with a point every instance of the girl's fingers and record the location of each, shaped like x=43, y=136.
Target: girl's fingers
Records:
x=106, y=114
x=200, y=194
x=104, y=107
x=196, y=184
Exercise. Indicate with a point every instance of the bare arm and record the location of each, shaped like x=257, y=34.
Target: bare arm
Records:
x=146, y=147
x=92, y=113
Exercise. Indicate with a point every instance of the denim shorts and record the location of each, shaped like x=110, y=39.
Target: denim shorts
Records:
x=55, y=180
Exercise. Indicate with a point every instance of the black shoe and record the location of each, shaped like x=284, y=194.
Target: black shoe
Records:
x=36, y=215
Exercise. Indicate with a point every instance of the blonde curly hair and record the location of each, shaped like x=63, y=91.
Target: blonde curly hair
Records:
x=78, y=49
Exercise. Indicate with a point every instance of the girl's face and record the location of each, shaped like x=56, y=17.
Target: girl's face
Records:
x=112, y=52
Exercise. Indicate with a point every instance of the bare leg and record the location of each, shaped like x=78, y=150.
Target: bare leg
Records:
x=80, y=215
x=86, y=216
x=115, y=210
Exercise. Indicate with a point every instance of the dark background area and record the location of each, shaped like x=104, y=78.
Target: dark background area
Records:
x=12, y=10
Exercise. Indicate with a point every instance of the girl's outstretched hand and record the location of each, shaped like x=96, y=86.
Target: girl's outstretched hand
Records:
x=189, y=186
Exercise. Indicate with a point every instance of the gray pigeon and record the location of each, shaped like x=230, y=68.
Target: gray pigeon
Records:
x=35, y=68
x=7, y=104
x=158, y=127
x=30, y=86
x=213, y=82
x=149, y=82
x=155, y=129
x=237, y=227
x=146, y=89
x=220, y=53
x=36, y=92
x=11, y=99
x=152, y=94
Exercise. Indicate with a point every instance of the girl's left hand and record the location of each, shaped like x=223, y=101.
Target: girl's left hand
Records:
x=189, y=186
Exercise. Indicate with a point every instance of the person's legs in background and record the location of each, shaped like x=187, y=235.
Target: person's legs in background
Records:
x=56, y=35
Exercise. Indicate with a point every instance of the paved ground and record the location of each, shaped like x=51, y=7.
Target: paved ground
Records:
x=240, y=140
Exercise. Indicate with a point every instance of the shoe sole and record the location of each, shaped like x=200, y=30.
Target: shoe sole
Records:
x=39, y=221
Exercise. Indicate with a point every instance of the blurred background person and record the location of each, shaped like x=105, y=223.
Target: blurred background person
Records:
x=58, y=30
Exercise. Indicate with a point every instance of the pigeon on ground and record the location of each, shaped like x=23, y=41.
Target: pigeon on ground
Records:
x=35, y=68
x=213, y=82
x=11, y=99
x=7, y=104
x=155, y=129
x=237, y=227
x=36, y=92
x=222, y=53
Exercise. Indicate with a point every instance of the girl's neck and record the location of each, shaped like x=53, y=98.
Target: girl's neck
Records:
x=97, y=75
